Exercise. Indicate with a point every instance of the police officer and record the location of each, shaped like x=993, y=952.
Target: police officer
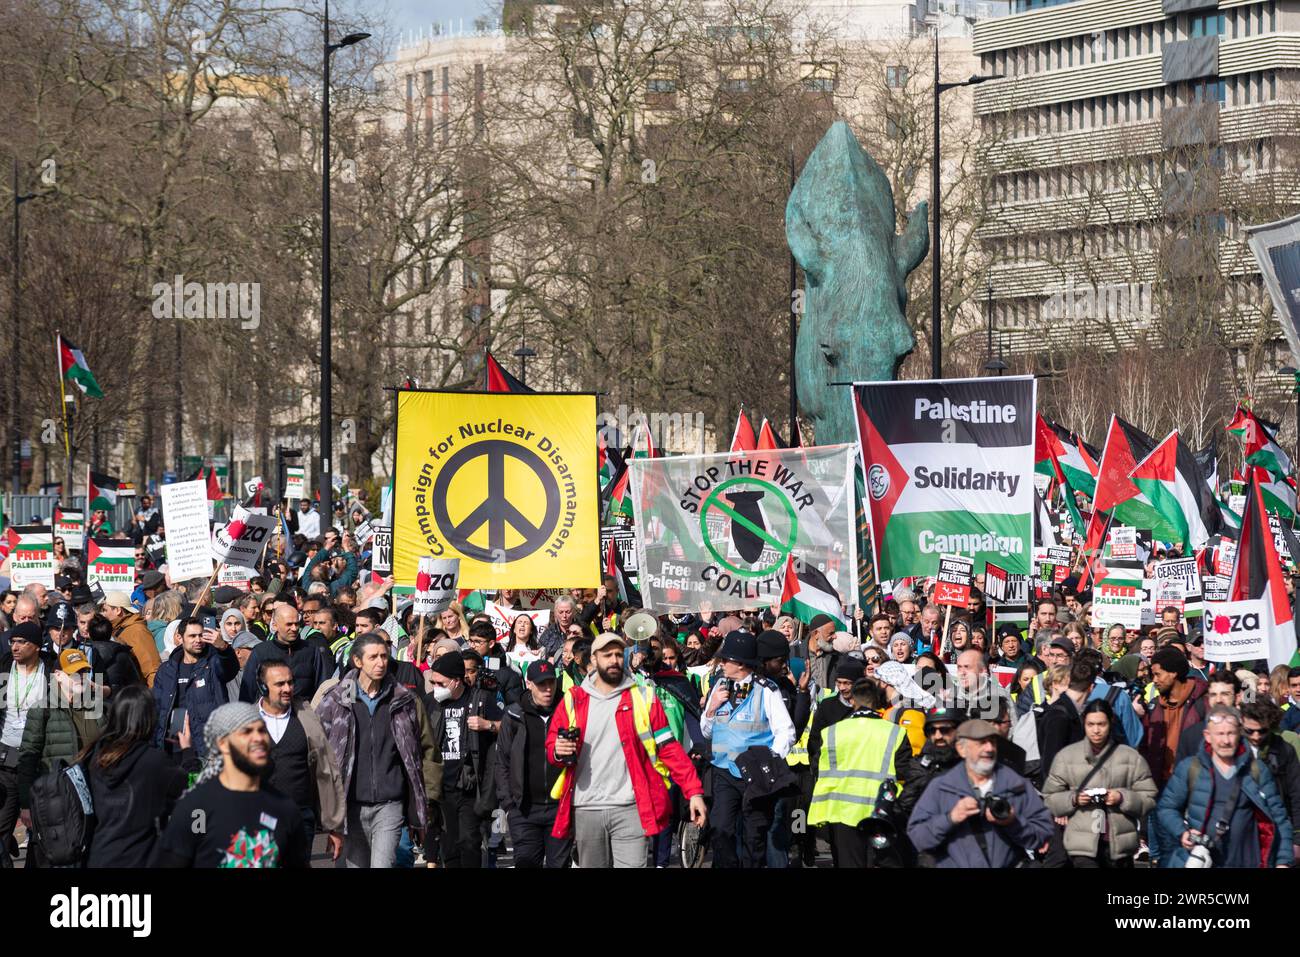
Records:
x=774, y=652
x=744, y=710
x=859, y=753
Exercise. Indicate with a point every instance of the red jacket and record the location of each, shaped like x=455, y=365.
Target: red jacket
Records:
x=652, y=801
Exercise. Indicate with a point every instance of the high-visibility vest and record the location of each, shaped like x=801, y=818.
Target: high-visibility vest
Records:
x=856, y=758
x=641, y=698
x=736, y=730
x=799, y=753
x=1036, y=693
x=1150, y=692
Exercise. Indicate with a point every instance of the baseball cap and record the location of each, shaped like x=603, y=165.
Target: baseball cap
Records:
x=119, y=599
x=540, y=671
x=1065, y=644
x=976, y=730
x=607, y=638
x=71, y=660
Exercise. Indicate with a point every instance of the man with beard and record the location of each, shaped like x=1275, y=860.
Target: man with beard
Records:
x=979, y=813
x=612, y=793
x=524, y=778
x=243, y=825
x=303, y=766
x=938, y=754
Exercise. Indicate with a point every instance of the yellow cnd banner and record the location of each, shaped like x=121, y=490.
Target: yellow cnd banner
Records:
x=505, y=482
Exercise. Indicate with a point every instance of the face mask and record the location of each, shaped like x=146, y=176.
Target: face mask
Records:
x=441, y=694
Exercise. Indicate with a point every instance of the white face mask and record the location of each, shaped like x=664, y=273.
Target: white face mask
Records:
x=441, y=694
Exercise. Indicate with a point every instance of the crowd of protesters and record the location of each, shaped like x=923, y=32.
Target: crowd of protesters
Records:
x=316, y=711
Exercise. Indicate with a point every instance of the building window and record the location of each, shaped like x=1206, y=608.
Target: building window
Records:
x=896, y=77
x=820, y=77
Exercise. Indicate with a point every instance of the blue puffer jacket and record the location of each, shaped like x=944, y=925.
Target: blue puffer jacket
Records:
x=206, y=693
x=1179, y=811
x=956, y=845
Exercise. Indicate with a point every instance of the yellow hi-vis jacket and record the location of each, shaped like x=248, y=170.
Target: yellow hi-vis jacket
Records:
x=857, y=756
x=799, y=752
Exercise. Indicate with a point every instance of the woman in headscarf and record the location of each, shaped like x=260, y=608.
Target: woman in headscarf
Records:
x=901, y=647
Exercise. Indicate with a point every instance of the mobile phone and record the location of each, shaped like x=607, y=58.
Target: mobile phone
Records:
x=209, y=621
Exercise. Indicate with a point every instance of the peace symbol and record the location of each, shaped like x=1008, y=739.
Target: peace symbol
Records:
x=496, y=511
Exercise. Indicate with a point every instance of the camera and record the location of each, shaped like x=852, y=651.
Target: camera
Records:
x=997, y=805
x=568, y=734
x=1096, y=797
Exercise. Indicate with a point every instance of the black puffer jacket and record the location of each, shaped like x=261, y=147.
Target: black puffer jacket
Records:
x=521, y=749
x=924, y=768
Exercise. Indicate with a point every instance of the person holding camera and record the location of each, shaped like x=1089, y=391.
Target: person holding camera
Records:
x=1215, y=801
x=611, y=738
x=1099, y=790
x=979, y=813
x=859, y=755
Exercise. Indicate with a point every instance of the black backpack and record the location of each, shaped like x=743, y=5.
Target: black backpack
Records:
x=63, y=815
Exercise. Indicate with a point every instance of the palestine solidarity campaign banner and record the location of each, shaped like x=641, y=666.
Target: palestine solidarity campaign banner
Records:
x=716, y=531
x=949, y=471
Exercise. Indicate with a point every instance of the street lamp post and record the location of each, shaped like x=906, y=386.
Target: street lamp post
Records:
x=523, y=354
x=16, y=339
x=991, y=364
x=936, y=324
x=326, y=484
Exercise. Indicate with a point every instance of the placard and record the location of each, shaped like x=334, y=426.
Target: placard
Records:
x=435, y=584
x=1183, y=570
x=1234, y=630
x=31, y=560
x=295, y=482
x=952, y=585
x=1117, y=605
x=502, y=618
x=1225, y=556
x=236, y=576
x=624, y=538
x=996, y=583
x=185, y=516
x=241, y=541
x=1216, y=588
x=111, y=564
x=1123, y=543
x=381, y=552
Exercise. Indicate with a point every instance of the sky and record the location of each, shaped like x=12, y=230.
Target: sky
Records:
x=413, y=14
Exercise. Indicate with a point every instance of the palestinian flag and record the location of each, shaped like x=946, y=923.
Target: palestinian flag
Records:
x=1172, y=482
x=1044, y=527
x=1259, y=443
x=73, y=368
x=101, y=491
x=627, y=592
x=1208, y=460
x=471, y=600
x=1230, y=519
x=620, y=496
x=214, y=489
x=497, y=379
x=609, y=461
x=742, y=440
x=1126, y=445
x=806, y=594
x=1279, y=493
x=1075, y=461
x=767, y=440
x=1258, y=574
x=646, y=450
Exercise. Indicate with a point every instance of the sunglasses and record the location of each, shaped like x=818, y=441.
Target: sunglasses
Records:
x=1254, y=732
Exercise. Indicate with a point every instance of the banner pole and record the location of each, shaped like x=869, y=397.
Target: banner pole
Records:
x=943, y=641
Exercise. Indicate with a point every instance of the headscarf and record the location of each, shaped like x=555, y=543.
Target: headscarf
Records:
x=223, y=722
x=234, y=613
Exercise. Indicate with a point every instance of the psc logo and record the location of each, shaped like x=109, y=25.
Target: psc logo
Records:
x=878, y=482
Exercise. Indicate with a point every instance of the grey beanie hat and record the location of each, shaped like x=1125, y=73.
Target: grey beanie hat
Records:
x=223, y=722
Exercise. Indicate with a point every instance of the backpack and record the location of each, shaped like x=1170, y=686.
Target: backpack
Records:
x=63, y=814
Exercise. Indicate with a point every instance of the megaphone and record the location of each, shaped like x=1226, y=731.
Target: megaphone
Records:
x=641, y=626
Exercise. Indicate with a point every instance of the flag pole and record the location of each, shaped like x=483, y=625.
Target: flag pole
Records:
x=63, y=402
